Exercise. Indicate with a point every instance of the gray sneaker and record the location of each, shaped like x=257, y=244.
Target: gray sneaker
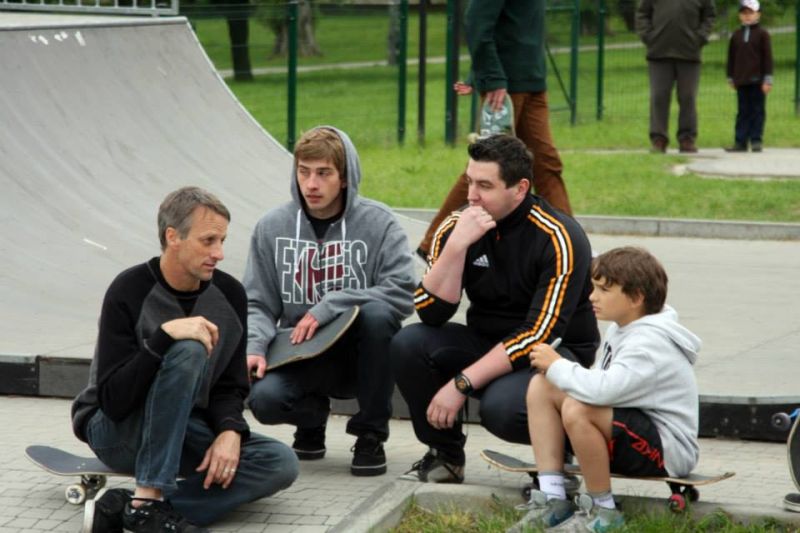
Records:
x=543, y=513
x=597, y=519
x=432, y=468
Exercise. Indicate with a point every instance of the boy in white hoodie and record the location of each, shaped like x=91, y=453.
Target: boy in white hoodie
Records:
x=635, y=413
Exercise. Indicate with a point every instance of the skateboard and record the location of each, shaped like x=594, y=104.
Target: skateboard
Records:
x=281, y=351
x=494, y=122
x=683, y=488
x=91, y=471
x=785, y=421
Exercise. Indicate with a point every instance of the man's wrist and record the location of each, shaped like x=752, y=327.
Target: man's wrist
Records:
x=463, y=384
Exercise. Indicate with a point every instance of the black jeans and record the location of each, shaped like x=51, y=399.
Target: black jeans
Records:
x=355, y=367
x=425, y=357
x=750, y=114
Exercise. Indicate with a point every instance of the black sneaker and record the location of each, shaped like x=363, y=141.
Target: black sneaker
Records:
x=156, y=516
x=309, y=444
x=103, y=514
x=432, y=468
x=737, y=147
x=369, y=459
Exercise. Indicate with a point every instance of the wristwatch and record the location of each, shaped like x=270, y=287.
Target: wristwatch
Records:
x=463, y=384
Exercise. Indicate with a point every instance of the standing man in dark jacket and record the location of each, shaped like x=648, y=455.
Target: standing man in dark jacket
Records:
x=506, y=42
x=168, y=382
x=525, y=268
x=675, y=32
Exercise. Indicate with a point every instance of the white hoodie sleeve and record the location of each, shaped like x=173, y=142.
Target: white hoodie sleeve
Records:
x=628, y=378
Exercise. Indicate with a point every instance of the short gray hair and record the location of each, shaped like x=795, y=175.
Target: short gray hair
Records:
x=177, y=208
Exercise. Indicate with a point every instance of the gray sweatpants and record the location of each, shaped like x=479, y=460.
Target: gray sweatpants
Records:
x=664, y=75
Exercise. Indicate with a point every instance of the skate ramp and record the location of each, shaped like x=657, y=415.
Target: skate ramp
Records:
x=100, y=120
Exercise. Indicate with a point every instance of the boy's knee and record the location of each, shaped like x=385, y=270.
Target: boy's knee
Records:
x=538, y=390
x=574, y=412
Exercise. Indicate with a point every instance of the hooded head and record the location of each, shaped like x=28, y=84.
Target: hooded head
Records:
x=326, y=172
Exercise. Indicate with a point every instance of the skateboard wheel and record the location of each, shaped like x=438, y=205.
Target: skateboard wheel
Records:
x=781, y=421
x=75, y=494
x=691, y=494
x=93, y=483
x=677, y=503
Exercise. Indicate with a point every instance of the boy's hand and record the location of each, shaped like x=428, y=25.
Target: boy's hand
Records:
x=542, y=356
x=766, y=88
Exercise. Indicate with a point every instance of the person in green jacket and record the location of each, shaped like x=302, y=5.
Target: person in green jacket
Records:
x=674, y=32
x=506, y=43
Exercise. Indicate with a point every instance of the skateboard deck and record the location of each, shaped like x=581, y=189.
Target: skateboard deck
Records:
x=683, y=488
x=281, y=351
x=493, y=122
x=90, y=470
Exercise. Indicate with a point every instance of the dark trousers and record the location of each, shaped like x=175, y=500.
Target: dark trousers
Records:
x=664, y=75
x=425, y=357
x=356, y=366
x=750, y=114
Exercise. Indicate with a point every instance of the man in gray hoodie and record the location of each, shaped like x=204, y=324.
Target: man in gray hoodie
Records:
x=326, y=250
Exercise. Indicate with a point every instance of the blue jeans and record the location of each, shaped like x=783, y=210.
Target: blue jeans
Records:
x=167, y=439
x=356, y=366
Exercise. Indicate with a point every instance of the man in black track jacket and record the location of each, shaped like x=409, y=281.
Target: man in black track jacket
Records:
x=168, y=382
x=525, y=268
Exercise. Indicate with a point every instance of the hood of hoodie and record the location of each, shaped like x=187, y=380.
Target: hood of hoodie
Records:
x=666, y=321
x=352, y=174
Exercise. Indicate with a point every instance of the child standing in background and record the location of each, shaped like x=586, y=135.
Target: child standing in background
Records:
x=750, y=73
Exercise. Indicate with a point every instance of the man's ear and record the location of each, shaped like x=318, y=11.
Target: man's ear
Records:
x=524, y=186
x=171, y=236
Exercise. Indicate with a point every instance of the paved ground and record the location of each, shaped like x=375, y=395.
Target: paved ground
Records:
x=325, y=494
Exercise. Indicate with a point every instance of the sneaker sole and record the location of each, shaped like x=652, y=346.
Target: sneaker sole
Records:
x=88, y=516
x=365, y=471
x=309, y=455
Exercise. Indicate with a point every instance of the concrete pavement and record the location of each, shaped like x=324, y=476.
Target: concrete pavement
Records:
x=326, y=495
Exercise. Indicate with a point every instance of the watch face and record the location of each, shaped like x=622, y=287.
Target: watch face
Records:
x=461, y=384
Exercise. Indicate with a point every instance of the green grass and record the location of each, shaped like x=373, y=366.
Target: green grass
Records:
x=363, y=102
x=501, y=516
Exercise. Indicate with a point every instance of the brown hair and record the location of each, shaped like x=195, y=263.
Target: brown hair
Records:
x=637, y=272
x=322, y=144
x=178, y=207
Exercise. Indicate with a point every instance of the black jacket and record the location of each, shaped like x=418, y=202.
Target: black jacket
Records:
x=750, y=56
x=131, y=343
x=528, y=281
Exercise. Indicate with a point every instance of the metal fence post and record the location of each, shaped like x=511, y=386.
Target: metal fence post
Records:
x=573, y=63
x=451, y=72
x=797, y=59
x=601, y=32
x=421, y=78
x=291, y=96
x=402, y=70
